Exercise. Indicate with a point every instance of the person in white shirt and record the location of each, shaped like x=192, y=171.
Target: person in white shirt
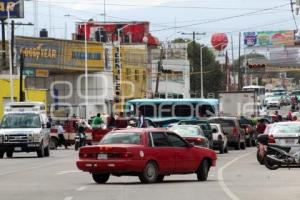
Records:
x=60, y=134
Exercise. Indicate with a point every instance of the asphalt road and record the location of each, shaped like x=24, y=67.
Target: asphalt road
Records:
x=237, y=176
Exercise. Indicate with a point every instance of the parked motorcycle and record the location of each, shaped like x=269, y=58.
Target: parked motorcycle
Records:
x=276, y=155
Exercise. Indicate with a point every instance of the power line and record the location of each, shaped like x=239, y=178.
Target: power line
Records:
x=221, y=19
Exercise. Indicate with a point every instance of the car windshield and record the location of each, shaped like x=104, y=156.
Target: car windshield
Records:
x=24, y=120
x=121, y=138
x=186, y=131
x=286, y=128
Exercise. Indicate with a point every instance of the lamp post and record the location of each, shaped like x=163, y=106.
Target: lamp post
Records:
x=9, y=6
x=119, y=55
x=201, y=70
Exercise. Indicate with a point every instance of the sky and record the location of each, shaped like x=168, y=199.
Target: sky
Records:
x=167, y=17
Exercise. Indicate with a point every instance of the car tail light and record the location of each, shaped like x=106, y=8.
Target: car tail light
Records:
x=234, y=131
x=127, y=155
x=271, y=139
x=248, y=130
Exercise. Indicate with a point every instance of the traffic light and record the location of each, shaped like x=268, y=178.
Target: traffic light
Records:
x=256, y=66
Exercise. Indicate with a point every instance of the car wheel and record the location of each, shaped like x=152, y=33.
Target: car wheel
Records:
x=40, y=152
x=248, y=142
x=202, y=172
x=1, y=154
x=226, y=149
x=253, y=143
x=150, y=173
x=9, y=154
x=221, y=148
x=53, y=143
x=259, y=158
x=47, y=151
x=243, y=145
x=100, y=178
x=160, y=178
x=238, y=145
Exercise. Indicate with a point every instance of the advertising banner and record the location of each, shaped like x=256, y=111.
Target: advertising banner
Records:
x=269, y=38
x=39, y=53
x=16, y=10
x=74, y=55
x=53, y=54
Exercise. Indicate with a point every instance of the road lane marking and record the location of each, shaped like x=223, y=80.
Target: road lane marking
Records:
x=67, y=172
x=221, y=182
x=68, y=198
x=81, y=188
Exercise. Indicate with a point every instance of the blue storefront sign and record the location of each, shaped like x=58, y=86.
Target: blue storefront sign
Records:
x=16, y=8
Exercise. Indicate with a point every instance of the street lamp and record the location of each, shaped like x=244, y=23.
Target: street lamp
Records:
x=201, y=69
x=119, y=55
x=9, y=6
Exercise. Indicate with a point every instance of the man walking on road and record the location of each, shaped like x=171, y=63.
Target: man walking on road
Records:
x=60, y=134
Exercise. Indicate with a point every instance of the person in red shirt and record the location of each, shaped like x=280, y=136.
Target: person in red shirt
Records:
x=261, y=126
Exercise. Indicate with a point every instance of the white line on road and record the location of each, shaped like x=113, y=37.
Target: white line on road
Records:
x=67, y=172
x=81, y=188
x=224, y=187
x=68, y=198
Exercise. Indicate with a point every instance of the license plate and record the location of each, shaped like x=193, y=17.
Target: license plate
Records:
x=289, y=141
x=18, y=149
x=102, y=156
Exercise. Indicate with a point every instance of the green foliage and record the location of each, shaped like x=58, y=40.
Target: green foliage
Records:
x=213, y=78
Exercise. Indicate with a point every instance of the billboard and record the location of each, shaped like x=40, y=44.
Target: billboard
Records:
x=16, y=10
x=40, y=53
x=74, y=55
x=269, y=38
x=53, y=54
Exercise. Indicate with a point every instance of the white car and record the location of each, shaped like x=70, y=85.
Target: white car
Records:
x=273, y=102
x=286, y=134
x=219, y=138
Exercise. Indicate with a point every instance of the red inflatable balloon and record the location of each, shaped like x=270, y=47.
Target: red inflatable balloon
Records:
x=219, y=41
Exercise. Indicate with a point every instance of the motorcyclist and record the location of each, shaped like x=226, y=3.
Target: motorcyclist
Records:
x=81, y=133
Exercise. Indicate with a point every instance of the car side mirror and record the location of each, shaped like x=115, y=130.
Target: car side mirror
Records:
x=189, y=145
x=48, y=125
x=214, y=130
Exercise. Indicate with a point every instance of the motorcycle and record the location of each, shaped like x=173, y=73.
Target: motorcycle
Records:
x=276, y=155
x=80, y=140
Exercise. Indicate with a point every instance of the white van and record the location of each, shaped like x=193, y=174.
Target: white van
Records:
x=25, y=128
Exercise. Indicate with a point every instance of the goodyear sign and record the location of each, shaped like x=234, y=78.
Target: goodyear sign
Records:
x=40, y=53
x=53, y=54
x=16, y=10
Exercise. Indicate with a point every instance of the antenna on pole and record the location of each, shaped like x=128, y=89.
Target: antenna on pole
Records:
x=35, y=14
x=50, y=19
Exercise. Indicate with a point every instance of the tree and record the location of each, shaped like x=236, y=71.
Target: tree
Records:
x=213, y=78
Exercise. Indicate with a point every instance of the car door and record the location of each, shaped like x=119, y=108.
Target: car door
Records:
x=184, y=158
x=162, y=152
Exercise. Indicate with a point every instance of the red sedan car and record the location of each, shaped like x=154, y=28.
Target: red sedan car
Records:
x=149, y=154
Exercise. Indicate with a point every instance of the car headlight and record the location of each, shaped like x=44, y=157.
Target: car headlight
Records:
x=30, y=138
x=36, y=137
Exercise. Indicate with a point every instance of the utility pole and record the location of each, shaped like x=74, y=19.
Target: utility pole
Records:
x=21, y=93
x=239, y=67
x=12, y=42
x=159, y=67
x=3, y=44
x=193, y=88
